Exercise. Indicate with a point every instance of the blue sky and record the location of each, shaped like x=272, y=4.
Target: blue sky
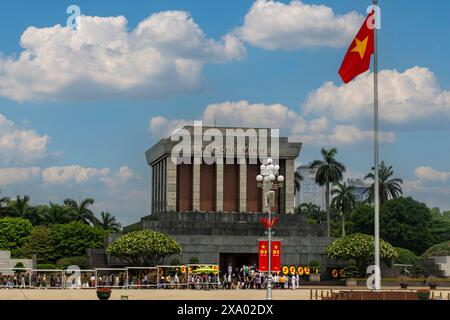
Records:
x=68, y=129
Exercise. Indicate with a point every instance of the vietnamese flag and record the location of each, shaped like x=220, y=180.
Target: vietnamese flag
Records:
x=357, y=58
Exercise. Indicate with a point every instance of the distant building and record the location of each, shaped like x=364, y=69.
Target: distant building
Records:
x=310, y=191
x=359, y=189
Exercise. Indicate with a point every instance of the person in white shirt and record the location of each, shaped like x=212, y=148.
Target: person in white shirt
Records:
x=176, y=280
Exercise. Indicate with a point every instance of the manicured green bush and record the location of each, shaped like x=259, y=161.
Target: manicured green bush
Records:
x=80, y=261
x=50, y=266
x=440, y=249
x=143, y=248
x=405, y=256
x=175, y=262
x=361, y=248
x=194, y=260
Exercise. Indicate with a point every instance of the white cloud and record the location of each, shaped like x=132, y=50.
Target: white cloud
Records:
x=74, y=173
x=14, y=175
x=409, y=97
x=79, y=174
x=20, y=146
x=430, y=174
x=274, y=25
x=341, y=135
x=119, y=178
x=244, y=113
x=165, y=53
x=318, y=131
x=162, y=127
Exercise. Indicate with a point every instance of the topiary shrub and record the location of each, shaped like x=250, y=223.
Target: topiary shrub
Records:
x=143, y=248
x=175, y=262
x=405, y=256
x=194, y=260
x=440, y=249
x=80, y=261
x=49, y=266
x=361, y=248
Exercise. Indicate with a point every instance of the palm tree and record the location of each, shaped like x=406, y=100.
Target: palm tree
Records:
x=108, y=222
x=55, y=213
x=329, y=171
x=390, y=188
x=343, y=200
x=3, y=204
x=298, y=178
x=19, y=207
x=81, y=211
x=312, y=211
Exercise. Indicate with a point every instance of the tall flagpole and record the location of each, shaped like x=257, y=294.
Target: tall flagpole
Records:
x=376, y=158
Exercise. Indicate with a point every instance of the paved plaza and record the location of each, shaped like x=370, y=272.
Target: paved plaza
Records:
x=172, y=294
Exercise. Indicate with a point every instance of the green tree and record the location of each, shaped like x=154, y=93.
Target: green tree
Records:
x=312, y=212
x=72, y=239
x=440, y=249
x=54, y=213
x=404, y=222
x=361, y=248
x=13, y=233
x=329, y=171
x=405, y=256
x=343, y=201
x=440, y=227
x=81, y=210
x=108, y=222
x=390, y=188
x=38, y=242
x=19, y=207
x=143, y=248
x=3, y=205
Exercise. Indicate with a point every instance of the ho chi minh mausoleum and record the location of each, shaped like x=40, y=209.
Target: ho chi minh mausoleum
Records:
x=213, y=210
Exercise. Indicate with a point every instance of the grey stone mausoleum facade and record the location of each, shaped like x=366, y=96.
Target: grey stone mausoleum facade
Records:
x=213, y=209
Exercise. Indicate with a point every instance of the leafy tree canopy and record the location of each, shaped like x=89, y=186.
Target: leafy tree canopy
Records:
x=405, y=256
x=72, y=239
x=143, y=248
x=13, y=232
x=359, y=247
x=404, y=222
x=440, y=249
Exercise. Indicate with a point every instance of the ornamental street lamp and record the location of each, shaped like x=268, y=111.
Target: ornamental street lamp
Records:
x=269, y=179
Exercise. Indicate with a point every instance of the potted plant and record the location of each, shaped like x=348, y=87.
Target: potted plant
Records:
x=103, y=293
x=423, y=294
x=314, y=267
x=351, y=273
x=404, y=282
x=432, y=282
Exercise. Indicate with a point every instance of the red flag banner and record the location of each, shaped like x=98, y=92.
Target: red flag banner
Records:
x=263, y=249
x=357, y=58
x=276, y=256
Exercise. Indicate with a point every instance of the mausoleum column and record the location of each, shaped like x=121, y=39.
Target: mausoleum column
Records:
x=196, y=187
x=243, y=187
x=219, y=186
x=289, y=185
x=171, y=185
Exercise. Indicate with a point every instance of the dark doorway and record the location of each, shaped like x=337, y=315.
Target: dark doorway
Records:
x=237, y=260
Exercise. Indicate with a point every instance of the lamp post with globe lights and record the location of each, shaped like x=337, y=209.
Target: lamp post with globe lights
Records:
x=269, y=179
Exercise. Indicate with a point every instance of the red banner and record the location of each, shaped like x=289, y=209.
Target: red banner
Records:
x=263, y=249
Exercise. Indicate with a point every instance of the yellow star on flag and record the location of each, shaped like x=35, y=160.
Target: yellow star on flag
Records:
x=360, y=46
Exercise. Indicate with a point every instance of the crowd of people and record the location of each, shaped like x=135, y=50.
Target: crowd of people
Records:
x=246, y=277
